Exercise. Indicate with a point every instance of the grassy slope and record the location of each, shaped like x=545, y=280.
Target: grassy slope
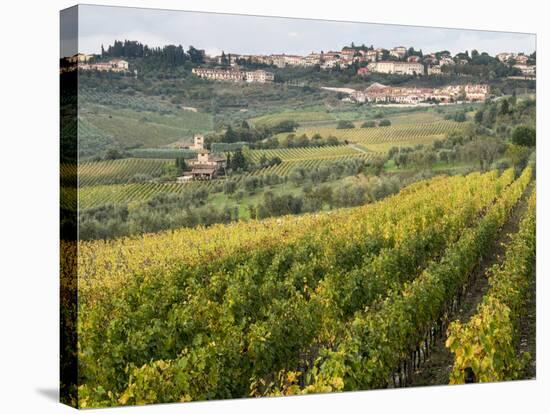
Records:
x=131, y=128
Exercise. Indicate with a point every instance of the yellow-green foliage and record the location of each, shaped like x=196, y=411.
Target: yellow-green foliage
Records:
x=487, y=344
x=218, y=312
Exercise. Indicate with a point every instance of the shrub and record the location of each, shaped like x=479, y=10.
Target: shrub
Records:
x=345, y=125
x=368, y=124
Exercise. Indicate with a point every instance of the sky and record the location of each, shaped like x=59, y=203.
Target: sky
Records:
x=266, y=35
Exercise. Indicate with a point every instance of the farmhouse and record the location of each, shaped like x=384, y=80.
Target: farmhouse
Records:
x=207, y=166
x=80, y=58
x=114, y=65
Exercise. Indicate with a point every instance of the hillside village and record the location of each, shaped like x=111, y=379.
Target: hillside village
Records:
x=397, y=60
x=378, y=93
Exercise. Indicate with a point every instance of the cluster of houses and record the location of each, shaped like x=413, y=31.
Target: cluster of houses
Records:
x=113, y=65
x=395, y=60
x=519, y=61
x=326, y=60
x=206, y=166
x=234, y=74
x=84, y=61
x=378, y=93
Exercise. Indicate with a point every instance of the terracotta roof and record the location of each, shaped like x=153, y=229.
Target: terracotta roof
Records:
x=203, y=169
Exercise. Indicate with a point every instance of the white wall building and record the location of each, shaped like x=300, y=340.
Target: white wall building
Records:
x=401, y=68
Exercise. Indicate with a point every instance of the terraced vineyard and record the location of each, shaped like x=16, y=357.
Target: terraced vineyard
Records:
x=109, y=182
x=283, y=169
x=305, y=154
x=380, y=139
x=111, y=172
x=89, y=197
x=314, y=303
x=307, y=157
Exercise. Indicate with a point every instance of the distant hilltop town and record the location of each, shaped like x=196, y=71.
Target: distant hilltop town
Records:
x=362, y=59
x=397, y=60
x=378, y=93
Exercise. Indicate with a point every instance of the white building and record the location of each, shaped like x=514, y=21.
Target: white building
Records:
x=505, y=56
x=400, y=68
x=114, y=65
x=259, y=76
x=434, y=70
x=234, y=75
x=527, y=70
x=398, y=52
x=446, y=61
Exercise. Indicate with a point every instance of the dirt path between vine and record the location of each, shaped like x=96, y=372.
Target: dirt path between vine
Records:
x=436, y=370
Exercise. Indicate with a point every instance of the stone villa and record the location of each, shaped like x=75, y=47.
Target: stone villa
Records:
x=206, y=166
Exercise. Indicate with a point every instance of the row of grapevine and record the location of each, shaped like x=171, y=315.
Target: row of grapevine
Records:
x=485, y=348
x=304, y=153
x=94, y=192
x=205, y=296
x=385, y=339
x=163, y=153
x=394, y=133
x=344, y=291
x=110, y=172
x=284, y=168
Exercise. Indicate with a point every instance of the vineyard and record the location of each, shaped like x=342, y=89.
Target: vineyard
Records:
x=305, y=154
x=89, y=197
x=111, y=172
x=487, y=343
x=342, y=300
x=285, y=168
x=111, y=182
x=380, y=139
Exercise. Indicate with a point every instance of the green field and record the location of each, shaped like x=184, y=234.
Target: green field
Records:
x=132, y=129
x=108, y=119
x=298, y=115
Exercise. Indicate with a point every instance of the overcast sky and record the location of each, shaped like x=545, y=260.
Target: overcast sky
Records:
x=251, y=34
